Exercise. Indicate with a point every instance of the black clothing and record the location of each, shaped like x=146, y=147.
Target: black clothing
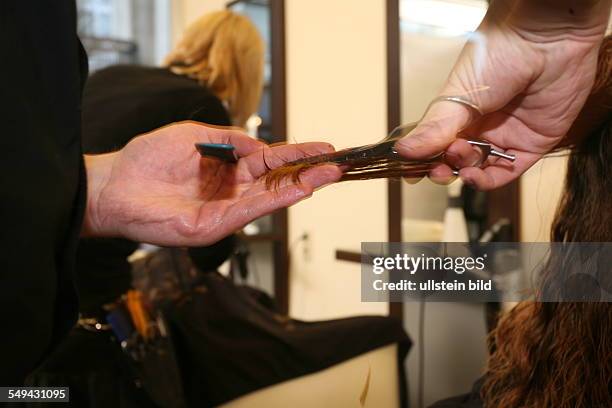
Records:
x=95, y=369
x=228, y=343
x=124, y=101
x=231, y=341
x=119, y=103
x=41, y=178
x=103, y=272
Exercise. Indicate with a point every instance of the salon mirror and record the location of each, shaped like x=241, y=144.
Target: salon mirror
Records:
x=452, y=356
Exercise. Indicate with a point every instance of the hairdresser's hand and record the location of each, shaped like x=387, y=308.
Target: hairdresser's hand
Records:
x=159, y=190
x=530, y=70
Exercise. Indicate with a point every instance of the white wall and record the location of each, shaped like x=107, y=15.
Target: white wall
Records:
x=336, y=84
x=541, y=190
x=184, y=12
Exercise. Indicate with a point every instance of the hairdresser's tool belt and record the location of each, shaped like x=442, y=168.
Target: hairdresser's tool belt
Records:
x=141, y=332
x=93, y=324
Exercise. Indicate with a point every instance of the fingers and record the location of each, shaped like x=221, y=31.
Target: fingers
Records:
x=311, y=179
x=215, y=221
x=442, y=174
x=260, y=162
x=458, y=155
x=321, y=176
x=437, y=130
x=462, y=154
x=505, y=133
x=495, y=172
x=252, y=207
x=258, y=157
x=264, y=202
x=499, y=173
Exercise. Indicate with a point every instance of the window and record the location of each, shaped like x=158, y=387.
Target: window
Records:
x=124, y=31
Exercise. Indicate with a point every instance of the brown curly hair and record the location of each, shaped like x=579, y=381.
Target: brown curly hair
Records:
x=560, y=354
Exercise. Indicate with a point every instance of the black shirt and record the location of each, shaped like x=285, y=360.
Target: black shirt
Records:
x=41, y=178
x=123, y=101
x=119, y=103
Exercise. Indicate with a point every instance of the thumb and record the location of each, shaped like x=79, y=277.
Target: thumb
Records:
x=436, y=131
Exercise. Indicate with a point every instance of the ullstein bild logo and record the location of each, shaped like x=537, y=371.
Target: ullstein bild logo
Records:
x=432, y=285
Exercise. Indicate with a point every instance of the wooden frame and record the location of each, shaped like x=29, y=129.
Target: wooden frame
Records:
x=278, y=101
x=279, y=130
x=394, y=103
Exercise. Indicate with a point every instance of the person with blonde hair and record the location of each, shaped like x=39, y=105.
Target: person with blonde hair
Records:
x=224, y=52
x=214, y=75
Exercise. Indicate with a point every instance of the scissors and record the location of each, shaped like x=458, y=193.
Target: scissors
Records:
x=378, y=160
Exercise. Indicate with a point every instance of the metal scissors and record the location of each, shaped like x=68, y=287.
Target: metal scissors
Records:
x=381, y=160
x=378, y=160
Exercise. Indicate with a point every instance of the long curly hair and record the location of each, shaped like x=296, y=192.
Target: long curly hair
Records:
x=560, y=354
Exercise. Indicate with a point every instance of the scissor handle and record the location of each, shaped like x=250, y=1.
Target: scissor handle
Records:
x=487, y=150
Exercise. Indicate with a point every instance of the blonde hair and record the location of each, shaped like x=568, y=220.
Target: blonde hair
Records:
x=224, y=52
